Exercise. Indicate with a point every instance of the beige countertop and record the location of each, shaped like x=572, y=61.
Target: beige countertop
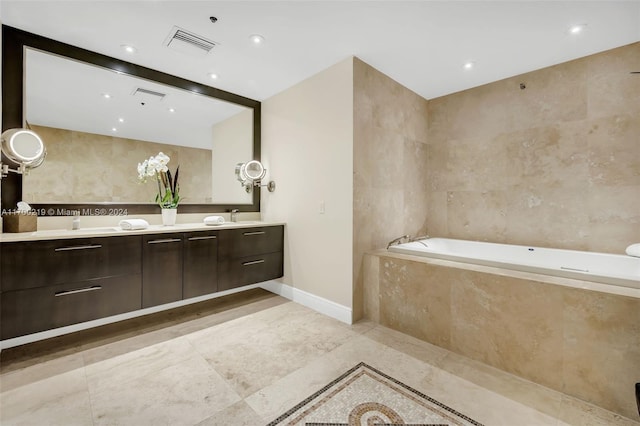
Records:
x=115, y=231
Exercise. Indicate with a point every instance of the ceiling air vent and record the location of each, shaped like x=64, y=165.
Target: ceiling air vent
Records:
x=146, y=95
x=187, y=42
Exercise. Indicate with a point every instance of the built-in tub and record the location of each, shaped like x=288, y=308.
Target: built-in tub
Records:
x=604, y=268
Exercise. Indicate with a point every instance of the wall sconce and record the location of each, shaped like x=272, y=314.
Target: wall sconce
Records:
x=251, y=174
x=23, y=149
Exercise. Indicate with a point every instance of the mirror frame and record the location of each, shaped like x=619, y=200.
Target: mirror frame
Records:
x=14, y=42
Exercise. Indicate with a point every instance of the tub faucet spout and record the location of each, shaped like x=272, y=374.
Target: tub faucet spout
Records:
x=397, y=240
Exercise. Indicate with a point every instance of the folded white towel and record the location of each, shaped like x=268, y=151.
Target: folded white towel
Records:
x=213, y=220
x=133, y=224
x=634, y=250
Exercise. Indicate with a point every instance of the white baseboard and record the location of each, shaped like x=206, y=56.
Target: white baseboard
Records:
x=317, y=303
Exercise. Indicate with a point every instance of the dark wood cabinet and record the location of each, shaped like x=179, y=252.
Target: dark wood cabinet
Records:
x=161, y=269
x=200, y=267
x=55, y=283
x=249, y=255
x=41, y=263
x=37, y=309
x=50, y=284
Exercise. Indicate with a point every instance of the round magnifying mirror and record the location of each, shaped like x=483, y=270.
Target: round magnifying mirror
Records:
x=254, y=170
x=23, y=147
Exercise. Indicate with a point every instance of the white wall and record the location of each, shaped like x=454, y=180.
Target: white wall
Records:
x=235, y=136
x=307, y=148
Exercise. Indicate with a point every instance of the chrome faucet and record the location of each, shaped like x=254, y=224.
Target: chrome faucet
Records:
x=397, y=240
x=234, y=215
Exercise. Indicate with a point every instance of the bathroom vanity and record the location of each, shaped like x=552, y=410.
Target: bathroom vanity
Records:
x=52, y=279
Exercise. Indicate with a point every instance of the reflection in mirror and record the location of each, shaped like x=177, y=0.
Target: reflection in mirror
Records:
x=99, y=124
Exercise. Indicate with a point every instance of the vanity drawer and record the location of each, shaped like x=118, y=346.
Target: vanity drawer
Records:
x=244, y=242
x=39, y=309
x=44, y=263
x=249, y=270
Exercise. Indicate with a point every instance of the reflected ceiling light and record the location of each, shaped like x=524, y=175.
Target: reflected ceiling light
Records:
x=577, y=29
x=113, y=129
x=106, y=96
x=256, y=39
x=121, y=120
x=213, y=76
x=128, y=48
x=172, y=110
x=468, y=65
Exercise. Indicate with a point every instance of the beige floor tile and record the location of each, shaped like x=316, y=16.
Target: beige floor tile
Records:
x=238, y=414
x=114, y=373
x=196, y=371
x=254, y=351
x=523, y=391
x=181, y=394
x=43, y=370
x=409, y=345
x=59, y=400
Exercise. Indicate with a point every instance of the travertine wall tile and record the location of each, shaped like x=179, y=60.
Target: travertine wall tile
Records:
x=601, y=352
x=509, y=323
x=575, y=127
x=416, y=300
x=581, y=342
x=390, y=165
x=477, y=215
x=371, y=287
x=614, y=150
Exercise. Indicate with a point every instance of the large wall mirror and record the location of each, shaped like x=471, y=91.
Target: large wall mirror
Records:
x=99, y=117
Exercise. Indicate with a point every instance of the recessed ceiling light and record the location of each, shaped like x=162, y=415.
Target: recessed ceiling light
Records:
x=468, y=65
x=128, y=48
x=106, y=96
x=172, y=110
x=121, y=120
x=577, y=29
x=213, y=76
x=256, y=39
x=113, y=129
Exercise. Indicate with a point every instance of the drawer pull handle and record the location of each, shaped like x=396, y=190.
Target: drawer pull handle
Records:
x=92, y=246
x=166, y=240
x=209, y=237
x=79, y=290
x=253, y=262
x=254, y=233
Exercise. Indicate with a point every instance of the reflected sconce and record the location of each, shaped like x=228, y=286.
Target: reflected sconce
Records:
x=22, y=149
x=250, y=174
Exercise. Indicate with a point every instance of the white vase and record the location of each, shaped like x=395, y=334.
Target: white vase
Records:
x=169, y=216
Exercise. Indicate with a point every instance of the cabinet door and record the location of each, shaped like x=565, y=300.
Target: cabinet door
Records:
x=161, y=269
x=250, y=270
x=44, y=308
x=200, y=264
x=68, y=260
x=235, y=243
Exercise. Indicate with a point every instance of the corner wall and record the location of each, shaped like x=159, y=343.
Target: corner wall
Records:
x=555, y=165
x=307, y=149
x=389, y=166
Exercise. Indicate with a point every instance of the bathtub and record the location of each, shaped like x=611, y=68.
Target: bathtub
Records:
x=621, y=270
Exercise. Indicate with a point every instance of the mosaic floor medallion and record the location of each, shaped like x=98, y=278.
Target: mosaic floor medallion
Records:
x=364, y=396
